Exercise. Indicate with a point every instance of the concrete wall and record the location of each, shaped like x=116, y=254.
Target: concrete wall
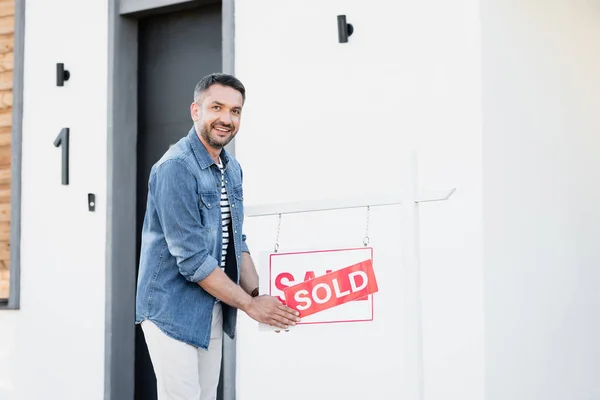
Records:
x=53, y=347
x=541, y=171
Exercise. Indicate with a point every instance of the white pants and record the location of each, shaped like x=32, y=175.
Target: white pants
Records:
x=185, y=372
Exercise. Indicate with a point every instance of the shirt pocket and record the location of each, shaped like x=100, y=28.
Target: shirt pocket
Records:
x=210, y=210
x=237, y=201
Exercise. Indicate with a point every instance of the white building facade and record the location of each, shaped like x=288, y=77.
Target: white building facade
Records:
x=491, y=294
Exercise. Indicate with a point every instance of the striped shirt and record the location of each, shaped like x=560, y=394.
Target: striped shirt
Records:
x=225, y=216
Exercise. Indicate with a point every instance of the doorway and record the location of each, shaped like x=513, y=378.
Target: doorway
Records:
x=174, y=51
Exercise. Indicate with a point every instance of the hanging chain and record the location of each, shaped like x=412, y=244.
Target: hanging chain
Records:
x=277, y=238
x=366, y=238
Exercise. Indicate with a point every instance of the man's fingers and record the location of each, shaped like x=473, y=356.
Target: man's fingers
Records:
x=288, y=310
x=287, y=318
x=288, y=313
x=278, y=325
x=281, y=322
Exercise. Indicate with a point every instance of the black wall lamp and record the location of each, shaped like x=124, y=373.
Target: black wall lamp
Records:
x=344, y=29
x=62, y=74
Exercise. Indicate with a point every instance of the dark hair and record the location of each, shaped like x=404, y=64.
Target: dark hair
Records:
x=221, y=79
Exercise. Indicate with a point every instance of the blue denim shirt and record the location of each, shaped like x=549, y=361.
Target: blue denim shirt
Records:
x=181, y=241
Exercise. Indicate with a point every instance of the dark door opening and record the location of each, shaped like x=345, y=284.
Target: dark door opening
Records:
x=174, y=51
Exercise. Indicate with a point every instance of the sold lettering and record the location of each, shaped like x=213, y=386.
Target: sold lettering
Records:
x=332, y=289
x=286, y=279
x=303, y=297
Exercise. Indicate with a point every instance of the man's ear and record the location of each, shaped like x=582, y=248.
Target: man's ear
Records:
x=194, y=110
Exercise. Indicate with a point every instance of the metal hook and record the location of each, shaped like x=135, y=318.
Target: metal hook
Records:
x=366, y=239
x=277, y=237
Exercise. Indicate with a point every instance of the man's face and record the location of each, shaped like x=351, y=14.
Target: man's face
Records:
x=217, y=116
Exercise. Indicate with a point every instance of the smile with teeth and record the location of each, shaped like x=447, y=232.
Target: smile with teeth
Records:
x=222, y=129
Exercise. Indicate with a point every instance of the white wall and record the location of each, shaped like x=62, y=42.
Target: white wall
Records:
x=326, y=120
x=53, y=347
x=541, y=174
x=319, y=113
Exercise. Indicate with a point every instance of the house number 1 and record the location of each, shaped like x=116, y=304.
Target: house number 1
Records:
x=62, y=140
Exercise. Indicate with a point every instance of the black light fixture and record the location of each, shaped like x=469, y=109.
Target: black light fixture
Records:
x=62, y=74
x=344, y=29
x=91, y=202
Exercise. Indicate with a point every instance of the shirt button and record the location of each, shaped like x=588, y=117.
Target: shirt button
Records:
x=233, y=205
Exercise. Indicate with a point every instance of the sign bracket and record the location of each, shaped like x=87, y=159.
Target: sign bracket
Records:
x=340, y=203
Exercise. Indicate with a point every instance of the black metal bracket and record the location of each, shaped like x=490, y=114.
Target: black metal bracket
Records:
x=62, y=74
x=344, y=29
x=91, y=202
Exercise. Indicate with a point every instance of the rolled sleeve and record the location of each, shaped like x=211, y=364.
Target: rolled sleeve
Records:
x=208, y=266
x=173, y=188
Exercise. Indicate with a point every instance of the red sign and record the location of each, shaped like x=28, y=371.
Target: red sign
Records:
x=285, y=279
x=332, y=289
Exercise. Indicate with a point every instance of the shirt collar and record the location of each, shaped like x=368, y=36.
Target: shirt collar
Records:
x=204, y=159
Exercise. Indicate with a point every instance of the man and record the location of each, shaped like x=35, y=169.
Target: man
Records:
x=195, y=267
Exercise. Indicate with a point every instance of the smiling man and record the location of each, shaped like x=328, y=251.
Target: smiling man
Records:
x=195, y=267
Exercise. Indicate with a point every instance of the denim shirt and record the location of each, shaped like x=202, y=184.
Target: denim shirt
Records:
x=181, y=241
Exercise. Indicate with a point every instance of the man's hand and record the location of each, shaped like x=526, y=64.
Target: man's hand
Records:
x=269, y=310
